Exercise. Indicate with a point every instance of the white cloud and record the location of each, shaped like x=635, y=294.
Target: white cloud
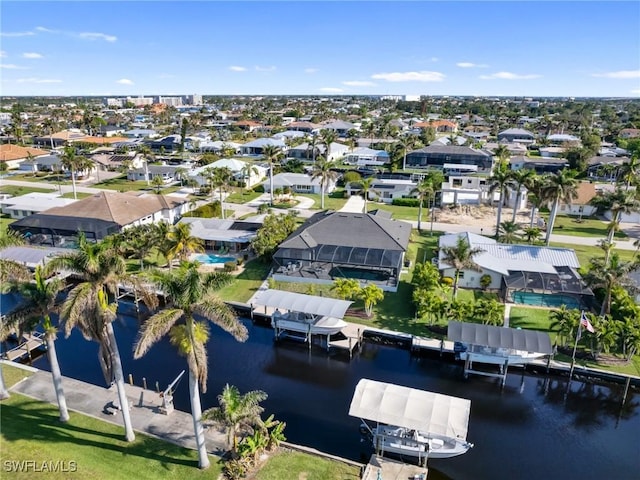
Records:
x=38, y=80
x=622, y=74
x=331, y=90
x=471, y=65
x=236, y=68
x=97, y=36
x=12, y=66
x=265, y=69
x=124, y=81
x=422, y=76
x=636, y=91
x=509, y=76
x=31, y=55
x=3, y=54
x=358, y=83
x=83, y=35
x=310, y=70
x=16, y=34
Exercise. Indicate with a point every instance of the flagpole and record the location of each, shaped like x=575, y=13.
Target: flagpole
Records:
x=575, y=346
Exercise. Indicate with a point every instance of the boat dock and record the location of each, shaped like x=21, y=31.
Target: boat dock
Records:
x=32, y=341
x=353, y=333
x=433, y=344
x=384, y=468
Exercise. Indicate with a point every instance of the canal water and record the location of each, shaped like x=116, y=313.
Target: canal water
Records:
x=535, y=428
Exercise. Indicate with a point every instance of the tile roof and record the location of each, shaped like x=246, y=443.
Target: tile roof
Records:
x=10, y=152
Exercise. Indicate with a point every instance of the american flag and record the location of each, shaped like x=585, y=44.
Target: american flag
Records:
x=584, y=321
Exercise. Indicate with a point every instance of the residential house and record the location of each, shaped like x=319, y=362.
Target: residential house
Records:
x=168, y=144
x=540, y=165
x=140, y=133
x=605, y=168
x=367, y=156
x=580, y=205
x=230, y=236
x=440, y=126
x=523, y=273
x=111, y=131
x=256, y=147
x=61, y=138
x=237, y=168
x=303, y=151
x=100, y=215
x=518, y=135
x=628, y=133
x=168, y=173
x=552, y=152
x=330, y=245
x=25, y=205
x=385, y=190
x=219, y=146
x=563, y=139
x=340, y=127
x=289, y=134
x=248, y=125
x=437, y=156
x=306, y=127
x=13, y=156
x=298, y=183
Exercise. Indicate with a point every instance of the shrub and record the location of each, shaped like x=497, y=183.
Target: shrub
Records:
x=259, y=188
x=235, y=469
x=230, y=266
x=406, y=202
x=485, y=281
x=448, y=281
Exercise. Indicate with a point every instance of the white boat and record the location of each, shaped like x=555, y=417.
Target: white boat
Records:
x=411, y=422
x=496, y=355
x=307, y=323
x=413, y=443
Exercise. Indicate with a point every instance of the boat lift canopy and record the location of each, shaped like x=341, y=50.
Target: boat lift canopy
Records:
x=298, y=302
x=499, y=337
x=411, y=408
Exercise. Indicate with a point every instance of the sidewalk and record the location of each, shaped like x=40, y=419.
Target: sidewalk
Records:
x=146, y=418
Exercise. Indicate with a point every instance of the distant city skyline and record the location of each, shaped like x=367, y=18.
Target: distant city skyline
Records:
x=116, y=49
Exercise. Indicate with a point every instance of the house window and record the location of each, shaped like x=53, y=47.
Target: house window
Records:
x=461, y=276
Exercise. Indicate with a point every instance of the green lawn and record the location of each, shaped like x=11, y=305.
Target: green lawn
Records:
x=13, y=375
x=588, y=227
x=80, y=195
x=586, y=252
x=123, y=185
x=242, y=197
x=5, y=220
x=403, y=213
x=468, y=295
x=246, y=283
x=334, y=201
x=17, y=190
x=530, y=318
x=296, y=465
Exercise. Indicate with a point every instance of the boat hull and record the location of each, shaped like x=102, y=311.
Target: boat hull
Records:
x=322, y=326
x=401, y=441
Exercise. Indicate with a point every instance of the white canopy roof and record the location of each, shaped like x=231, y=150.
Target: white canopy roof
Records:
x=411, y=408
x=299, y=302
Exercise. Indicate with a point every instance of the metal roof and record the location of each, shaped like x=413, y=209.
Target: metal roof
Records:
x=299, y=302
x=499, y=337
x=411, y=408
x=30, y=256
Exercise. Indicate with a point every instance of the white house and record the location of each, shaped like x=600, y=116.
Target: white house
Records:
x=218, y=146
x=238, y=169
x=257, y=146
x=30, y=203
x=298, y=183
x=303, y=151
x=385, y=190
x=367, y=156
x=463, y=190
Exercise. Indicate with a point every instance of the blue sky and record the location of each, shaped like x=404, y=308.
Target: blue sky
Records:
x=540, y=48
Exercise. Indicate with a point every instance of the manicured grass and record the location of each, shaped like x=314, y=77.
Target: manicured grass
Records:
x=295, y=465
x=530, y=318
x=403, y=213
x=469, y=295
x=80, y=195
x=588, y=227
x=586, y=252
x=18, y=190
x=123, y=185
x=13, y=375
x=333, y=201
x=246, y=283
x=5, y=220
x=170, y=190
x=31, y=432
x=242, y=197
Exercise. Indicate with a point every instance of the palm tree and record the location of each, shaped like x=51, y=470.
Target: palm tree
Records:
x=564, y=322
x=559, y=187
x=535, y=186
x=221, y=178
x=407, y=142
x=501, y=182
x=370, y=295
x=328, y=137
x=460, y=257
x=70, y=162
x=521, y=178
x=236, y=412
x=630, y=170
x=508, y=232
x=190, y=293
x=423, y=190
x=157, y=183
x=39, y=302
x=312, y=146
x=532, y=234
x=271, y=155
x=322, y=171
x=608, y=275
x=367, y=186
x=618, y=202
x=247, y=171
x=87, y=307
x=502, y=154
x=181, y=243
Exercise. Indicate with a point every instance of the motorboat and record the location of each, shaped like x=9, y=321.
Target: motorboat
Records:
x=413, y=443
x=307, y=323
x=494, y=355
x=411, y=422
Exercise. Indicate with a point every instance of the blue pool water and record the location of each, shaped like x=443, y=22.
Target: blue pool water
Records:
x=545, y=300
x=210, y=258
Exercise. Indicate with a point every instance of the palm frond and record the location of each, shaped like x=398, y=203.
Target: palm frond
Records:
x=79, y=309
x=219, y=313
x=12, y=272
x=200, y=363
x=154, y=329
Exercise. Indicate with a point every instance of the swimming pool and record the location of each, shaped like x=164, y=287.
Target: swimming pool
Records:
x=211, y=258
x=545, y=300
x=359, y=274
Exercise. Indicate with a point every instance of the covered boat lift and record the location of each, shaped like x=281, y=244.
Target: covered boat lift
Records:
x=308, y=304
x=412, y=409
x=494, y=345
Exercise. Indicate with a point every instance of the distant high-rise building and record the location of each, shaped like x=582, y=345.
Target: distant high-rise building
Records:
x=171, y=101
x=194, y=99
x=114, y=102
x=140, y=101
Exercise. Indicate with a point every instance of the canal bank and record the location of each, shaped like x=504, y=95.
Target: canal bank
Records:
x=534, y=417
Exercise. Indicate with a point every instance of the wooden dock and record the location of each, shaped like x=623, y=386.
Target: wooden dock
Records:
x=353, y=333
x=32, y=341
x=384, y=468
x=422, y=343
